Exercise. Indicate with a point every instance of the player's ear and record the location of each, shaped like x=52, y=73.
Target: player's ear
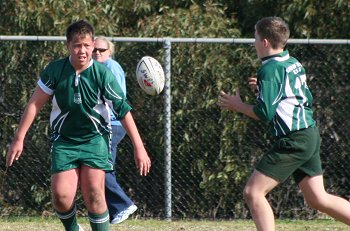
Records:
x=266, y=43
x=67, y=45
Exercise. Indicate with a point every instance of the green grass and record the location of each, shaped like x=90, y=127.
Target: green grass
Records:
x=52, y=224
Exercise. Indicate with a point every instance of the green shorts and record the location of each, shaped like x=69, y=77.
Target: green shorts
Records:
x=95, y=153
x=296, y=154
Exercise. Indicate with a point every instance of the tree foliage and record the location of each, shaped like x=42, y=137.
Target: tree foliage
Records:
x=306, y=18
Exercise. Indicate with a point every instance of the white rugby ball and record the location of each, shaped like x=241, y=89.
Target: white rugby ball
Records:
x=150, y=75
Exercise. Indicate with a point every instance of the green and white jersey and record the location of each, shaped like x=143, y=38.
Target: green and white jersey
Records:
x=284, y=98
x=79, y=101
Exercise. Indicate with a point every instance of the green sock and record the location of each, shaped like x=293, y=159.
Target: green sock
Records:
x=99, y=222
x=69, y=219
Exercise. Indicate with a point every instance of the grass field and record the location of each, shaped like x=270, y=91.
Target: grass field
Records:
x=52, y=224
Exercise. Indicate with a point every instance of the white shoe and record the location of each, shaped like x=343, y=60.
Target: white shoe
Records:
x=80, y=228
x=123, y=215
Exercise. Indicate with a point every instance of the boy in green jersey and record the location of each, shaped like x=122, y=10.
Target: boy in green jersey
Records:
x=80, y=90
x=285, y=102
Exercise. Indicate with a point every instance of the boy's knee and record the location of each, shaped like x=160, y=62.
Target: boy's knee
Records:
x=95, y=196
x=248, y=194
x=94, y=199
x=61, y=202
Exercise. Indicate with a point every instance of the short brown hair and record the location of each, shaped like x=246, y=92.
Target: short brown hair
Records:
x=81, y=28
x=274, y=29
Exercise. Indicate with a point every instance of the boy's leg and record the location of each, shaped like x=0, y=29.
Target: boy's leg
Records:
x=99, y=222
x=69, y=219
x=255, y=196
x=92, y=188
x=63, y=188
x=317, y=198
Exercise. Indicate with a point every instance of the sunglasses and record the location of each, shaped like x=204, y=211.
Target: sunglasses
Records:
x=101, y=50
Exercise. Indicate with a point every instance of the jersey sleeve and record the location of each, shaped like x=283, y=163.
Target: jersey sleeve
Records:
x=270, y=94
x=46, y=82
x=114, y=96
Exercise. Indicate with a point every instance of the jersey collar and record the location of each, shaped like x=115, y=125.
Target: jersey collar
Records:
x=280, y=57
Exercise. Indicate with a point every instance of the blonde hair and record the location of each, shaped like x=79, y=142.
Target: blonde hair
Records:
x=109, y=43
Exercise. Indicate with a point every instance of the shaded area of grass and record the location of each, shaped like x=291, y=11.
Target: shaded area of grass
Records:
x=53, y=224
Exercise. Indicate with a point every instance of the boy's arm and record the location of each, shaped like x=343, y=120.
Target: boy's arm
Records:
x=142, y=160
x=36, y=102
x=116, y=100
x=234, y=103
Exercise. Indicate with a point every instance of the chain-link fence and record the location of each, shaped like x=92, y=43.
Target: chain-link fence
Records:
x=201, y=156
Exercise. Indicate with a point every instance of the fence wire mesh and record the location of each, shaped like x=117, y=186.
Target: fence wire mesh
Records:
x=213, y=152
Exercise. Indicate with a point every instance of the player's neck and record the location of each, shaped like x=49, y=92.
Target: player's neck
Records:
x=274, y=51
x=271, y=52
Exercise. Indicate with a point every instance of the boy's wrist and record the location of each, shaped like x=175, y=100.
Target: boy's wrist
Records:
x=18, y=137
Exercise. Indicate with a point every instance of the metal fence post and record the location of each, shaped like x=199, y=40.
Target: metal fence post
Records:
x=167, y=130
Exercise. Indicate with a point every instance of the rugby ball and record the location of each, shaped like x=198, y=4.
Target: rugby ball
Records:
x=150, y=75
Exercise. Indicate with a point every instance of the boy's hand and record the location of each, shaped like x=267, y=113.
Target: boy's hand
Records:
x=142, y=161
x=14, y=152
x=253, y=84
x=235, y=103
x=230, y=102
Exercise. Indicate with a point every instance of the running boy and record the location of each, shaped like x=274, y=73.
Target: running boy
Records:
x=285, y=101
x=80, y=89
